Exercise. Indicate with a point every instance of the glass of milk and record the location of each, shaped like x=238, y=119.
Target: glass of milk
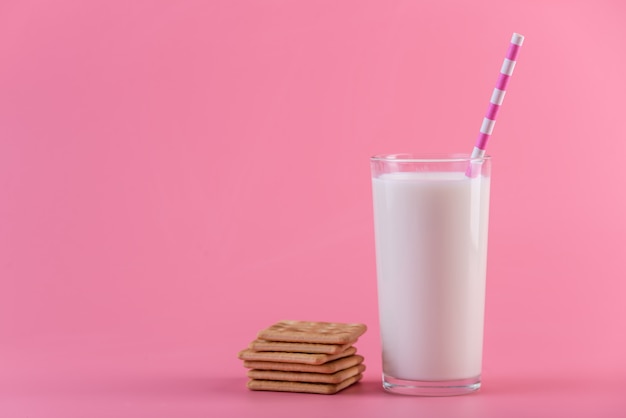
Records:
x=430, y=220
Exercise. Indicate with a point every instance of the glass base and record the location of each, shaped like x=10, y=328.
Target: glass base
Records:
x=431, y=388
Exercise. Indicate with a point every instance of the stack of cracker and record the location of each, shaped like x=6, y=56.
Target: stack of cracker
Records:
x=309, y=357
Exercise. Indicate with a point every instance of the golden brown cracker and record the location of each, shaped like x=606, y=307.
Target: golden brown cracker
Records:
x=311, y=348
x=303, y=358
x=333, y=378
x=319, y=388
x=330, y=367
x=313, y=332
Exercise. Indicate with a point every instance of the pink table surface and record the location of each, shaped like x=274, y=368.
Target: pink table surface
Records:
x=176, y=175
x=110, y=377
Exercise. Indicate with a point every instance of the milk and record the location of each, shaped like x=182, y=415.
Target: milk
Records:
x=431, y=250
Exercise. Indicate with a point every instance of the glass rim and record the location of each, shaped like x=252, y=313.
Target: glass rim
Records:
x=406, y=157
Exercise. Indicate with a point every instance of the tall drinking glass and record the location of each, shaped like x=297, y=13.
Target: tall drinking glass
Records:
x=431, y=217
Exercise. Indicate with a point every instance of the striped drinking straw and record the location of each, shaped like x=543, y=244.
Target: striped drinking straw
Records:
x=497, y=97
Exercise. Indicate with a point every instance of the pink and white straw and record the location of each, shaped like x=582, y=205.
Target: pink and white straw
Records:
x=497, y=96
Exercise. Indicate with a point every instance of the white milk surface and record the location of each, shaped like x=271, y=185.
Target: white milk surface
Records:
x=431, y=251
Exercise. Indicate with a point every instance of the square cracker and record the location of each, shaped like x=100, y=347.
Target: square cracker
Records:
x=319, y=388
x=304, y=358
x=313, y=332
x=330, y=367
x=311, y=348
x=334, y=378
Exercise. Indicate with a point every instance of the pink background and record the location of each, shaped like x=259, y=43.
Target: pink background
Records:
x=176, y=175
